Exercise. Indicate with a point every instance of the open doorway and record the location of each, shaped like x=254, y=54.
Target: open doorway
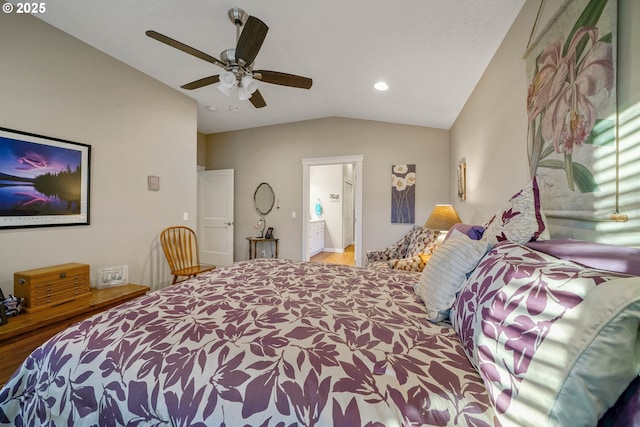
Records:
x=346, y=226
x=331, y=237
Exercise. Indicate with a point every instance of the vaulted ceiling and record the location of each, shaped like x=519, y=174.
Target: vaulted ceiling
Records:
x=431, y=53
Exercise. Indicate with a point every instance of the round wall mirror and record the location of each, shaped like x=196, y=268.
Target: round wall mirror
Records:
x=264, y=198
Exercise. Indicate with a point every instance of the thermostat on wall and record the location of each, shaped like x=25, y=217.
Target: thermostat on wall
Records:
x=153, y=183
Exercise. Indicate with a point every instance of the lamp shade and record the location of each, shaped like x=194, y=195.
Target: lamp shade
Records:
x=442, y=218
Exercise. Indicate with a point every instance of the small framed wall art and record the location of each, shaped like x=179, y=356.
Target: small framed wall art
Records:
x=462, y=180
x=153, y=183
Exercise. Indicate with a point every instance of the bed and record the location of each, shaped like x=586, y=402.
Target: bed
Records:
x=502, y=328
x=262, y=343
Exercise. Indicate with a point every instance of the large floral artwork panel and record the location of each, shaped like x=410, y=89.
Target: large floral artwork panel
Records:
x=571, y=106
x=403, y=194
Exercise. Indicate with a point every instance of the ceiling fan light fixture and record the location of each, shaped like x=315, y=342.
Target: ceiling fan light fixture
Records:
x=243, y=94
x=249, y=84
x=224, y=89
x=227, y=79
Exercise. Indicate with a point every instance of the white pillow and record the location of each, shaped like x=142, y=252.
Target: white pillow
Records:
x=520, y=219
x=446, y=271
x=555, y=343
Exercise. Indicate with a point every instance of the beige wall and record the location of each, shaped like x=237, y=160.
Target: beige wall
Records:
x=273, y=154
x=52, y=84
x=202, y=149
x=490, y=132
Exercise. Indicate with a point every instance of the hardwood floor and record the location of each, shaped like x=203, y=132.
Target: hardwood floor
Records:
x=346, y=258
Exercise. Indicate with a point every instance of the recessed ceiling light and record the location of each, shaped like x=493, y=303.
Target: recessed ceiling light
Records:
x=381, y=86
x=211, y=108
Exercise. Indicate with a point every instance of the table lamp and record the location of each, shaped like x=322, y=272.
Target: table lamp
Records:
x=442, y=218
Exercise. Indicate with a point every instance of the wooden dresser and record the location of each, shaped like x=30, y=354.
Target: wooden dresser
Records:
x=24, y=333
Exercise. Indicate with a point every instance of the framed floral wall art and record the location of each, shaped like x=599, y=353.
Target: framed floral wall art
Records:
x=571, y=109
x=403, y=194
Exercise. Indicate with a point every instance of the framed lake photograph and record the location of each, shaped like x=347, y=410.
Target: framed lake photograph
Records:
x=44, y=181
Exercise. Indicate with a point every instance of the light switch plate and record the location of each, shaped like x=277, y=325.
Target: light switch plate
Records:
x=153, y=183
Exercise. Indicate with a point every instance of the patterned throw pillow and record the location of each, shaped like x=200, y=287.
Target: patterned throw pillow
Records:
x=554, y=342
x=414, y=263
x=520, y=219
x=424, y=241
x=425, y=258
x=446, y=271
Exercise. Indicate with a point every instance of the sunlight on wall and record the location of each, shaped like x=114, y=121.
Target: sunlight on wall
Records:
x=623, y=233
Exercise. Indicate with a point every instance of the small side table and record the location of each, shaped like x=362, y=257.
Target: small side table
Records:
x=253, y=246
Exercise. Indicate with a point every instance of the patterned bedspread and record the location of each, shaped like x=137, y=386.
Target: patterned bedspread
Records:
x=260, y=343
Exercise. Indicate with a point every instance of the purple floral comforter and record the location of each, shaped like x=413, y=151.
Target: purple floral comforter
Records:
x=261, y=343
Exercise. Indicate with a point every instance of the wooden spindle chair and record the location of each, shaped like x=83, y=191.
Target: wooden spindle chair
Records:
x=180, y=246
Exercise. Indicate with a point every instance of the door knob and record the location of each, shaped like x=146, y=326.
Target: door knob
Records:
x=229, y=223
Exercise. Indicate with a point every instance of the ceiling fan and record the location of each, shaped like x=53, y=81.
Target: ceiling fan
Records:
x=238, y=63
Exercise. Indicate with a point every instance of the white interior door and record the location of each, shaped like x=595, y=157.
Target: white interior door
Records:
x=215, y=216
x=347, y=214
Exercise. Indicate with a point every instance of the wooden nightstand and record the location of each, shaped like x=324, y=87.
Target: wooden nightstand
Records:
x=24, y=333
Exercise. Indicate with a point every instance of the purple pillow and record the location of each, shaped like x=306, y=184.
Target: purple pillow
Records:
x=474, y=232
x=620, y=259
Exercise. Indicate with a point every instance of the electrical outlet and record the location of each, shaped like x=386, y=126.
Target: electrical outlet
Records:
x=293, y=214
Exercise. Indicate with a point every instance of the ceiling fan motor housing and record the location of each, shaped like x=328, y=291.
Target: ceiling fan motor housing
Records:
x=228, y=56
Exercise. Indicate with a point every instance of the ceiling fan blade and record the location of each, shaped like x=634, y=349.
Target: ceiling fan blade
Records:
x=257, y=100
x=183, y=47
x=202, y=82
x=283, y=79
x=251, y=39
